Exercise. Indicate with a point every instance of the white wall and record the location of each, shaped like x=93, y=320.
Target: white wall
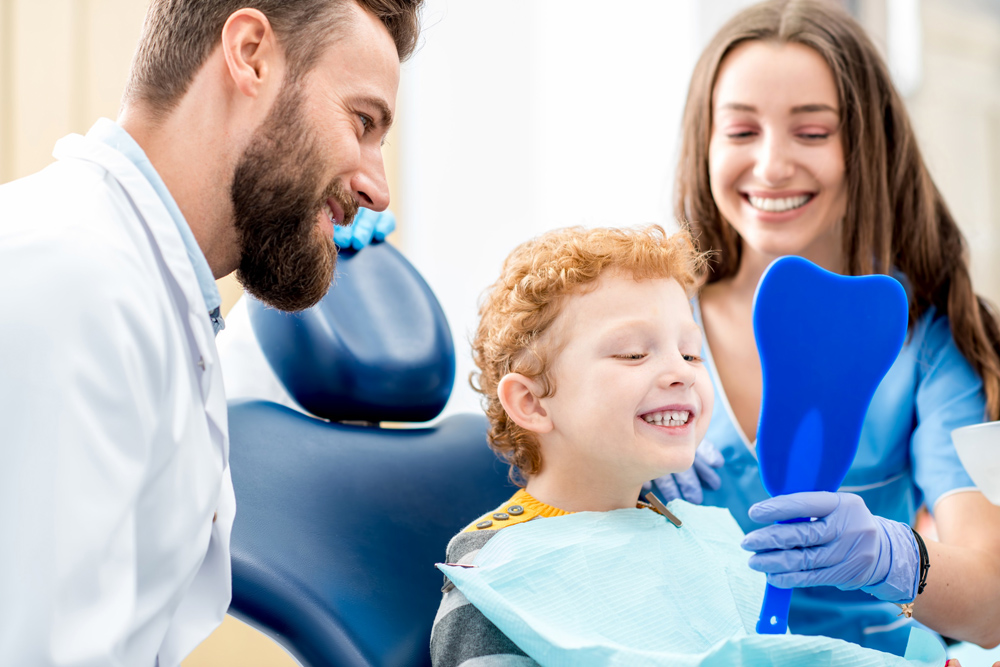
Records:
x=522, y=116
x=956, y=114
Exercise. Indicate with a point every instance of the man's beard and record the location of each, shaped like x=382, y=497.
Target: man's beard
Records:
x=286, y=260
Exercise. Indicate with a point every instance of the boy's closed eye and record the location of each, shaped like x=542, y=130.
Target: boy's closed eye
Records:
x=635, y=356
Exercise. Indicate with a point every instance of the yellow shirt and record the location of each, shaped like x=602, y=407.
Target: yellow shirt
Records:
x=521, y=507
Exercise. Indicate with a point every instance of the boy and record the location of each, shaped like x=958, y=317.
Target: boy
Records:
x=589, y=365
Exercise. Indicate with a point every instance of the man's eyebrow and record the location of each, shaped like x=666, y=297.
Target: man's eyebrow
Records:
x=804, y=108
x=381, y=108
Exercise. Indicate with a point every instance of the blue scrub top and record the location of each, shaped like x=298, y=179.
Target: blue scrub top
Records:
x=905, y=458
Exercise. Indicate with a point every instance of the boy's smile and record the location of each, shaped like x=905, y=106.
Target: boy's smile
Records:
x=632, y=397
x=672, y=417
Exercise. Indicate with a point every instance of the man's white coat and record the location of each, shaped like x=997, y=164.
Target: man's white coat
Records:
x=116, y=502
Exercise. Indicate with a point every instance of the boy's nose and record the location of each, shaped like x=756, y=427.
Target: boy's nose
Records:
x=677, y=373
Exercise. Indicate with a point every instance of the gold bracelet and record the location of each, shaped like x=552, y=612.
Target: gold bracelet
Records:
x=925, y=564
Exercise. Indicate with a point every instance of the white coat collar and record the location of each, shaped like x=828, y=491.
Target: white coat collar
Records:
x=153, y=211
x=112, y=134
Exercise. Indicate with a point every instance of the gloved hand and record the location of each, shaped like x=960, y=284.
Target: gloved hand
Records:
x=367, y=227
x=847, y=546
x=687, y=484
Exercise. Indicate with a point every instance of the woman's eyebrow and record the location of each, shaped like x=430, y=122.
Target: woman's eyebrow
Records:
x=738, y=106
x=814, y=108
x=802, y=108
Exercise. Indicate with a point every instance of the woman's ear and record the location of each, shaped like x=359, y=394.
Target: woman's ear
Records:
x=520, y=397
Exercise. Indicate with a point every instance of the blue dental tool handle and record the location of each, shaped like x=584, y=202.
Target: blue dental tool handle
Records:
x=825, y=343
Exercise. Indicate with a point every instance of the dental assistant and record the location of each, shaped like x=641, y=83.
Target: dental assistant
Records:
x=247, y=131
x=796, y=143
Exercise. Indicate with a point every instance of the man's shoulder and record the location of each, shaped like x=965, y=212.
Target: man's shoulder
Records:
x=56, y=180
x=75, y=215
x=63, y=200
x=72, y=253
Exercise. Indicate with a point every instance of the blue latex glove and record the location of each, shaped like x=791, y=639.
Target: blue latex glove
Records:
x=688, y=484
x=367, y=227
x=846, y=546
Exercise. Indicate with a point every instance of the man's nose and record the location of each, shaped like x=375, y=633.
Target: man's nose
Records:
x=369, y=184
x=774, y=165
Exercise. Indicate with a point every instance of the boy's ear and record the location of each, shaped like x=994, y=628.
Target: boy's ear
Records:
x=519, y=396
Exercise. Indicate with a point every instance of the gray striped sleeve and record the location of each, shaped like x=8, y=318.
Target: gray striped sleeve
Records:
x=501, y=661
x=461, y=635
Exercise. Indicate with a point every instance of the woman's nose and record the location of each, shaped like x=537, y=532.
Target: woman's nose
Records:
x=774, y=166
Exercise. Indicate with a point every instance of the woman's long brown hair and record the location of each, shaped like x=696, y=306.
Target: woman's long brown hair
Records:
x=895, y=219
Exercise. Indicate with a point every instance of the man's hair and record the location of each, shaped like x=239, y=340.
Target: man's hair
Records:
x=518, y=310
x=178, y=36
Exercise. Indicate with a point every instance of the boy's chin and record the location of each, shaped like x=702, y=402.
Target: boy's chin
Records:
x=677, y=465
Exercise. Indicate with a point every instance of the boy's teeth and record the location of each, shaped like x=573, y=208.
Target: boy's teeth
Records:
x=668, y=418
x=773, y=205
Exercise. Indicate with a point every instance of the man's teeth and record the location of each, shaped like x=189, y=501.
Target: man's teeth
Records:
x=668, y=418
x=773, y=205
x=329, y=213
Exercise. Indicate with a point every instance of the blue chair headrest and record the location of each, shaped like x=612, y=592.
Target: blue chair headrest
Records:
x=376, y=348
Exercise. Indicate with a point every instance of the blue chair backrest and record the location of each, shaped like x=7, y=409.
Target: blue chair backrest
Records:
x=376, y=348
x=338, y=526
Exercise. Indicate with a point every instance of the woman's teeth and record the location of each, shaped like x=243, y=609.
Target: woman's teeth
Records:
x=773, y=205
x=668, y=418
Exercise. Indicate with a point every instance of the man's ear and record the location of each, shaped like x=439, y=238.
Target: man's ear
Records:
x=250, y=48
x=519, y=396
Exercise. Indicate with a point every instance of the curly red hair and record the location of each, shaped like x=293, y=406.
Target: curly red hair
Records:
x=520, y=307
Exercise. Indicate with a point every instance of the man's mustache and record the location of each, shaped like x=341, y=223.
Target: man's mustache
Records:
x=348, y=204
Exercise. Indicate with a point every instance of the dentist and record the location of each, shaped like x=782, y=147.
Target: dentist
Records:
x=247, y=131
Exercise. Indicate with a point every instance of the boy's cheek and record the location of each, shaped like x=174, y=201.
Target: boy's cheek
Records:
x=708, y=403
x=705, y=418
x=701, y=428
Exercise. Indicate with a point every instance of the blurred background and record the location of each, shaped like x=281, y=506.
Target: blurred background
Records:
x=519, y=116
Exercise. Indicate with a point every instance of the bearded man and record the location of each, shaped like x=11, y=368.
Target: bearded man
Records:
x=248, y=130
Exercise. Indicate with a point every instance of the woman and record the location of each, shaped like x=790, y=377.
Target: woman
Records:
x=796, y=143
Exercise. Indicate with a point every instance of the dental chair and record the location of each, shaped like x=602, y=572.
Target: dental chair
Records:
x=340, y=518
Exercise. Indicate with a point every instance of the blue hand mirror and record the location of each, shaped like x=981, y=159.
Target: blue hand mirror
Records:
x=825, y=342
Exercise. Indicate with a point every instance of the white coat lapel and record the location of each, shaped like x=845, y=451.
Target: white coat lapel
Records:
x=168, y=243
x=205, y=604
